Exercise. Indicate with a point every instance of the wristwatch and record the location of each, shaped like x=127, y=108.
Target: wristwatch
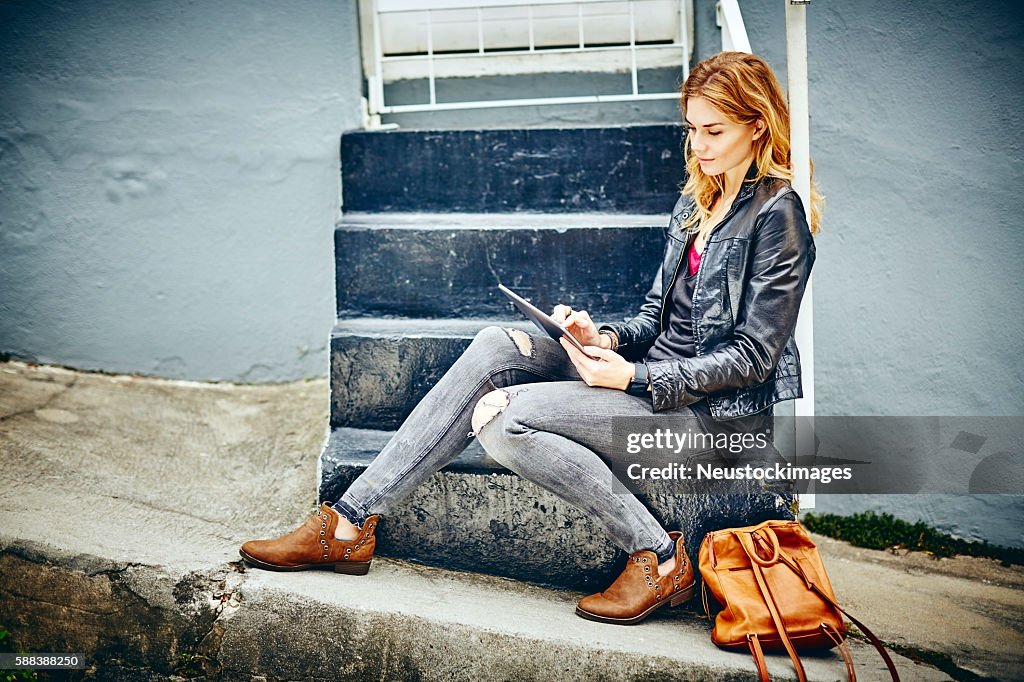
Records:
x=640, y=383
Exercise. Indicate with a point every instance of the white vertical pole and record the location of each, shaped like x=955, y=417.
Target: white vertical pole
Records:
x=376, y=89
x=529, y=21
x=579, y=19
x=632, y=46
x=480, y=30
x=796, y=63
x=684, y=38
x=430, y=56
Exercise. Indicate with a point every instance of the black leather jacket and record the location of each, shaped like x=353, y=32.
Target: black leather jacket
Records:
x=746, y=298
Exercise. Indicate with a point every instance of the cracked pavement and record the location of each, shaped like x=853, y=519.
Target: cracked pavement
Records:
x=120, y=457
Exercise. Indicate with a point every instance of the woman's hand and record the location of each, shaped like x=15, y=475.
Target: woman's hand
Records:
x=610, y=370
x=579, y=324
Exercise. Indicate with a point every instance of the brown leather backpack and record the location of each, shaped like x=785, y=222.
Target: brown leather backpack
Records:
x=775, y=595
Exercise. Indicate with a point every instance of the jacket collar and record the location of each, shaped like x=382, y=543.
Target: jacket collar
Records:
x=746, y=190
x=748, y=184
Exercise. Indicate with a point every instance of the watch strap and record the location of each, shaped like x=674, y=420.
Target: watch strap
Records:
x=640, y=381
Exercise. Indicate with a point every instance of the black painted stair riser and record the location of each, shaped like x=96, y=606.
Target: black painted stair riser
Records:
x=442, y=273
x=627, y=169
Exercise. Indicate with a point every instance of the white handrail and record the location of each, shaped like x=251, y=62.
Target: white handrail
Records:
x=388, y=6
x=734, y=32
x=458, y=62
x=526, y=102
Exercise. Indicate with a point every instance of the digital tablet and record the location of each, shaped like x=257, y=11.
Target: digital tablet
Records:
x=554, y=329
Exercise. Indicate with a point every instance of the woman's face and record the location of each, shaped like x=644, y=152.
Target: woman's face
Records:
x=718, y=143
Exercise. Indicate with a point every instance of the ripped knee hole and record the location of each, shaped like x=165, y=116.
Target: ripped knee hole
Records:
x=522, y=340
x=487, y=408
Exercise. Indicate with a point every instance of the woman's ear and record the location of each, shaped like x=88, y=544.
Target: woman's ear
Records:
x=759, y=128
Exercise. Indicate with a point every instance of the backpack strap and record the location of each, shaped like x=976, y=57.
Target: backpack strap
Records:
x=755, y=651
x=786, y=559
x=769, y=600
x=851, y=674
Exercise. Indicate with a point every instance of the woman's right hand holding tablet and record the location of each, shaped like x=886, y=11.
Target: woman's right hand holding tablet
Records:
x=579, y=324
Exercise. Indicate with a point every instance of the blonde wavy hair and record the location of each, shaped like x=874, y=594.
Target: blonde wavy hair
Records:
x=744, y=88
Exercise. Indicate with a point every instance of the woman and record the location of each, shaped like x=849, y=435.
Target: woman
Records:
x=711, y=346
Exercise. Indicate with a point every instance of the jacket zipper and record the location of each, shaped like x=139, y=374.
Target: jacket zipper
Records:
x=700, y=269
x=679, y=261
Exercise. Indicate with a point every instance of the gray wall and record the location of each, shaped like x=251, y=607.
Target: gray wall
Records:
x=169, y=183
x=915, y=119
x=916, y=112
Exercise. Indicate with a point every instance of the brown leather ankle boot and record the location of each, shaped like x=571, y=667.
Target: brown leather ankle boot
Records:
x=313, y=545
x=639, y=590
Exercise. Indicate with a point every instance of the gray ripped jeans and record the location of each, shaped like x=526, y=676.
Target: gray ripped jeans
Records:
x=522, y=397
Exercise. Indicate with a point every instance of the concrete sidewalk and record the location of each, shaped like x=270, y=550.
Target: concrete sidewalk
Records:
x=124, y=501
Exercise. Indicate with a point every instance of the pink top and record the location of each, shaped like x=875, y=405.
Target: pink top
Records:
x=693, y=259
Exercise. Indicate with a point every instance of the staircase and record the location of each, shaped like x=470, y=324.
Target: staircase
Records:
x=432, y=221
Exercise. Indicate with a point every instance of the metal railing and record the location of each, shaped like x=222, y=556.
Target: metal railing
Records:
x=531, y=58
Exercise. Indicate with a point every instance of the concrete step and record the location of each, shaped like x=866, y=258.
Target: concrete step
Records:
x=449, y=265
x=476, y=515
x=151, y=621
x=381, y=368
x=627, y=169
